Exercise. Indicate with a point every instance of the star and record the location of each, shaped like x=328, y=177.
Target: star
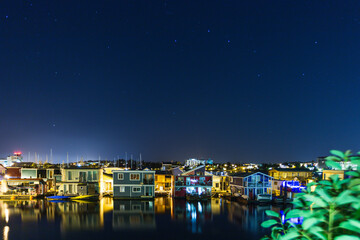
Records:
x=316, y=42
x=208, y=30
x=175, y=40
x=6, y=17
x=228, y=41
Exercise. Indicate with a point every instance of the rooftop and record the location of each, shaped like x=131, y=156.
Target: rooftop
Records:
x=292, y=169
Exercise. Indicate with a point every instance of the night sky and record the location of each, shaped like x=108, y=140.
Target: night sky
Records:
x=239, y=81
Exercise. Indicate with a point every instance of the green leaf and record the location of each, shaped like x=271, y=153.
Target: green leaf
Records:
x=351, y=224
x=346, y=237
x=272, y=213
x=333, y=164
x=310, y=222
x=317, y=201
x=269, y=223
x=323, y=194
x=337, y=153
x=353, y=174
x=325, y=182
x=345, y=198
x=356, y=162
x=295, y=213
x=290, y=235
x=318, y=231
x=333, y=158
x=348, y=153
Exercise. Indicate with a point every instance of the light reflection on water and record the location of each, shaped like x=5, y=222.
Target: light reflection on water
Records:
x=39, y=219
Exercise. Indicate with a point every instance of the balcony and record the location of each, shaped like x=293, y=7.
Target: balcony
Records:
x=252, y=184
x=148, y=181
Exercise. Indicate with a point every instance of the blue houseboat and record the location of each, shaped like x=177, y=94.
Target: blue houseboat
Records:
x=134, y=184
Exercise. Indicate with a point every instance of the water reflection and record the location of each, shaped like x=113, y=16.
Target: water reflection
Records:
x=249, y=217
x=108, y=216
x=133, y=214
x=195, y=214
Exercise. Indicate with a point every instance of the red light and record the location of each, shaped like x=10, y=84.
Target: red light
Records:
x=17, y=153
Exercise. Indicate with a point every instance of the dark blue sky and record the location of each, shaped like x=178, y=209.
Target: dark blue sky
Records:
x=240, y=81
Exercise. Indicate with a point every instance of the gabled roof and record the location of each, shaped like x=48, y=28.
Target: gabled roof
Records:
x=194, y=169
x=242, y=174
x=166, y=172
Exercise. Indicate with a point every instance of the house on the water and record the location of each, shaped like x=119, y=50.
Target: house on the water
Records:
x=79, y=181
x=250, y=184
x=193, y=184
x=133, y=184
x=298, y=174
x=164, y=182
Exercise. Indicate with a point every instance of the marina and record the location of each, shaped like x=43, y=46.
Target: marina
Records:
x=152, y=219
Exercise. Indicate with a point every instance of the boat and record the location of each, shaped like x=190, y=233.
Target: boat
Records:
x=58, y=201
x=58, y=197
x=83, y=201
x=86, y=197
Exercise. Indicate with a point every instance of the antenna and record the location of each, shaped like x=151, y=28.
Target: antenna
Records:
x=126, y=163
x=131, y=161
x=140, y=162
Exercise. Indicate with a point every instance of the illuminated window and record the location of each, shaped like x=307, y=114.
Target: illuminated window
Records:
x=120, y=176
x=134, y=176
x=121, y=189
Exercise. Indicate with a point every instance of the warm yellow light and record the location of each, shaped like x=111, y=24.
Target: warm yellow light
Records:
x=6, y=215
x=6, y=233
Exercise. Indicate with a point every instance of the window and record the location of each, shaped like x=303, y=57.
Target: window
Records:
x=69, y=175
x=120, y=176
x=134, y=176
x=121, y=189
x=136, y=189
x=95, y=175
x=136, y=207
x=217, y=185
x=89, y=175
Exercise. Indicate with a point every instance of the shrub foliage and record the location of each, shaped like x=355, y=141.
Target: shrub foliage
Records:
x=330, y=212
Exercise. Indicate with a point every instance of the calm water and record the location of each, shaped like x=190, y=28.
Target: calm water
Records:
x=163, y=218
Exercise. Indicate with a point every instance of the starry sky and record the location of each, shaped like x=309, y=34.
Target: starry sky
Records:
x=239, y=81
